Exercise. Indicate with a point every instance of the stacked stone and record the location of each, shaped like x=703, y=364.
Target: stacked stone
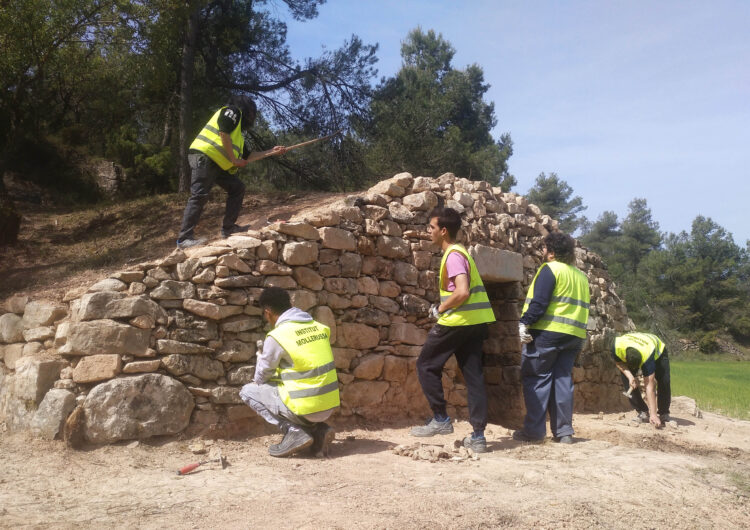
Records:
x=365, y=267
x=29, y=368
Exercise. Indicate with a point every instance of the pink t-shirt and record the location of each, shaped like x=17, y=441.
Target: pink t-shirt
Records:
x=456, y=264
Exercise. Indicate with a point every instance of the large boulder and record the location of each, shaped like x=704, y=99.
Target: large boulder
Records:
x=136, y=408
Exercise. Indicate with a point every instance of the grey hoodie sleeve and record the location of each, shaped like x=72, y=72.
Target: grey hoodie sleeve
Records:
x=273, y=354
x=268, y=360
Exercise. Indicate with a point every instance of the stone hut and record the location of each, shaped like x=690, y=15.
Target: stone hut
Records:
x=166, y=346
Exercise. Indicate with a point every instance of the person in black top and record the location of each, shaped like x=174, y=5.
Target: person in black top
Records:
x=214, y=157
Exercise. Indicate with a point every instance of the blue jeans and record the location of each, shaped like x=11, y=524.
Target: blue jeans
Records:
x=547, y=377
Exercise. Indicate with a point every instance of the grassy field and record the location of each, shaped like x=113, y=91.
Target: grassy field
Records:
x=716, y=386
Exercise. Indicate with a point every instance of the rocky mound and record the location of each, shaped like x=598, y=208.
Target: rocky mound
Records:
x=167, y=345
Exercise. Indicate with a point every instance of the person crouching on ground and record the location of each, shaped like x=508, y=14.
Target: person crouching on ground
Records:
x=645, y=352
x=462, y=317
x=552, y=329
x=295, y=386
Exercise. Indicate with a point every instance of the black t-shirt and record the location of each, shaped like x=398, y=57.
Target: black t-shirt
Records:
x=228, y=120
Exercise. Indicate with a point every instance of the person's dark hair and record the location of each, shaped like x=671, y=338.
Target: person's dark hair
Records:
x=447, y=218
x=633, y=360
x=247, y=108
x=562, y=245
x=276, y=299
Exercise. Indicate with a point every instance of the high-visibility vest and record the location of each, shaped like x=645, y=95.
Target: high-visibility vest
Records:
x=209, y=143
x=310, y=384
x=568, y=310
x=477, y=308
x=644, y=343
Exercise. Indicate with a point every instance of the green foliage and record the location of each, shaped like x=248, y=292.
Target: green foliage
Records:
x=431, y=118
x=553, y=196
x=108, y=76
x=602, y=237
x=720, y=386
x=694, y=284
x=148, y=168
x=55, y=168
x=708, y=343
x=697, y=277
x=640, y=235
x=623, y=246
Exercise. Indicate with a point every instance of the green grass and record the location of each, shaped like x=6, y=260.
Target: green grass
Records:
x=716, y=386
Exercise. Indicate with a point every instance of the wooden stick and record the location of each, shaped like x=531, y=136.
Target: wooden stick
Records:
x=308, y=142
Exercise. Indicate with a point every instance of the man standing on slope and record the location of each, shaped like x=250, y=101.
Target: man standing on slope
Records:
x=552, y=330
x=295, y=386
x=463, y=313
x=645, y=352
x=215, y=155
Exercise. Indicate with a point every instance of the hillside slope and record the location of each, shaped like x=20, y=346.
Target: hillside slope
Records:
x=59, y=249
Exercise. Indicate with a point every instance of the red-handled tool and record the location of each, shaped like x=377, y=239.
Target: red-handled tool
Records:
x=188, y=468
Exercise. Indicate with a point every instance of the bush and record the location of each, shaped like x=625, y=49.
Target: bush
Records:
x=147, y=167
x=709, y=343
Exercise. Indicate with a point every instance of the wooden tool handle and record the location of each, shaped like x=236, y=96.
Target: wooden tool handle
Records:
x=308, y=142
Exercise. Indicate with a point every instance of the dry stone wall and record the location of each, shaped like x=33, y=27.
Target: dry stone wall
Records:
x=167, y=345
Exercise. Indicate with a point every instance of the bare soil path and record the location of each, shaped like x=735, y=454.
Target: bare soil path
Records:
x=617, y=475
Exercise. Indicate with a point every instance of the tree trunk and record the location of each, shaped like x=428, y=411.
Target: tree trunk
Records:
x=186, y=92
x=10, y=219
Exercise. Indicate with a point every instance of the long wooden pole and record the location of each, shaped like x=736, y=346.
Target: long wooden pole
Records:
x=308, y=142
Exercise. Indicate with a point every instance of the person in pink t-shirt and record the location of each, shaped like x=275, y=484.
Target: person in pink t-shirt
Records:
x=443, y=341
x=456, y=264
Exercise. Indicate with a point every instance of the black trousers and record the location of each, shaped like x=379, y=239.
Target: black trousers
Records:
x=465, y=342
x=205, y=173
x=663, y=388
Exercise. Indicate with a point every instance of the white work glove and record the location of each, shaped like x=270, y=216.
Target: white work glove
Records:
x=434, y=313
x=523, y=333
x=259, y=346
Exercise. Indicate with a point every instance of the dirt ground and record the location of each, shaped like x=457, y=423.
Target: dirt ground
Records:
x=617, y=475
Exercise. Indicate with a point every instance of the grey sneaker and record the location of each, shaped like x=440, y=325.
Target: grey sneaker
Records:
x=521, y=436
x=433, y=427
x=642, y=417
x=323, y=435
x=665, y=418
x=294, y=441
x=478, y=445
x=234, y=229
x=189, y=242
x=567, y=439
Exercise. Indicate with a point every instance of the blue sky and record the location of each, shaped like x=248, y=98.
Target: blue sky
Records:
x=621, y=99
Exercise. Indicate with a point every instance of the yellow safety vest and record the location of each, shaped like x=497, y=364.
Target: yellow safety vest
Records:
x=209, y=143
x=310, y=384
x=477, y=308
x=644, y=343
x=568, y=310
